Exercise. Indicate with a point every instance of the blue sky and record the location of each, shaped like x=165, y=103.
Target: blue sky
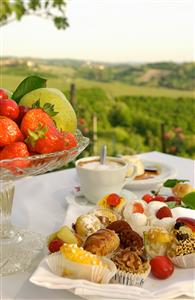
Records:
x=109, y=30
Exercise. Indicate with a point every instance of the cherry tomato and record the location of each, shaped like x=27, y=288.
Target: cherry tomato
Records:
x=113, y=199
x=161, y=267
x=3, y=94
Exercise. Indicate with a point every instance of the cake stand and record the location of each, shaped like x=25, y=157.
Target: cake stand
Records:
x=19, y=247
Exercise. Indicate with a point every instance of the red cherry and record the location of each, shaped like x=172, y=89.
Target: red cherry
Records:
x=113, y=199
x=164, y=212
x=161, y=267
x=190, y=222
x=3, y=94
x=147, y=198
x=173, y=199
x=159, y=198
x=54, y=245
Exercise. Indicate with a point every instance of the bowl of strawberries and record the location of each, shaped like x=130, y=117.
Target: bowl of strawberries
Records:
x=30, y=144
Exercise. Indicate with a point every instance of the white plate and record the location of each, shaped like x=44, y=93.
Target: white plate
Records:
x=165, y=170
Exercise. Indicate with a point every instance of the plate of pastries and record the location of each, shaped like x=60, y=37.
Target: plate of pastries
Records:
x=144, y=246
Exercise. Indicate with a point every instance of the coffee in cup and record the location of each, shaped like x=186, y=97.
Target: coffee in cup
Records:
x=98, y=180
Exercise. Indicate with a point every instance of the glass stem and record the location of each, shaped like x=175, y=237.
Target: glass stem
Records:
x=6, y=202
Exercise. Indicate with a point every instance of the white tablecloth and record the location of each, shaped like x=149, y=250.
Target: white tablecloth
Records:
x=39, y=205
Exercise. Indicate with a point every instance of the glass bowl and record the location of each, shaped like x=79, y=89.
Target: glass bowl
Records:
x=19, y=247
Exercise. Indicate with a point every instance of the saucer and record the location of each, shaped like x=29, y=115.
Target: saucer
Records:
x=165, y=172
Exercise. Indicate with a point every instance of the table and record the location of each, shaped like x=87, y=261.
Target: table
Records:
x=39, y=205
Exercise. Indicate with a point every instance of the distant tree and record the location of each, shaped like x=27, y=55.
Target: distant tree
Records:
x=12, y=10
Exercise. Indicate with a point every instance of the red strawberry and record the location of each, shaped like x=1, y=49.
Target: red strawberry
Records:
x=33, y=119
x=45, y=140
x=9, y=132
x=22, y=111
x=70, y=140
x=9, y=108
x=54, y=245
x=3, y=94
x=164, y=212
x=14, y=150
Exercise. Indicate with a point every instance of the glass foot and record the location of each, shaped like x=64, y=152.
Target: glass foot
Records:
x=18, y=252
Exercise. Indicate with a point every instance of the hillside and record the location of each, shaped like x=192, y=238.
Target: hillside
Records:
x=160, y=79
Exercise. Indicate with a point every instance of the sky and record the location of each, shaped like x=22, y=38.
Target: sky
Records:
x=110, y=31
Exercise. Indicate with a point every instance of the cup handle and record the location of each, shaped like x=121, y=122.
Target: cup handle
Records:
x=129, y=179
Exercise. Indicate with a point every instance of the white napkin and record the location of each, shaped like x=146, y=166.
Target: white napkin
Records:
x=44, y=277
x=181, y=285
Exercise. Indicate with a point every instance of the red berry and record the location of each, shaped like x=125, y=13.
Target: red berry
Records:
x=3, y=94
x=159, y=198
x=173, y=199
x=138, y=208
x=161, y=267
x=70, y=140
x=147, y=198
x=22, y=111
x=54, y=245
x=9, y=108
x=113, y=199
x=164, y=212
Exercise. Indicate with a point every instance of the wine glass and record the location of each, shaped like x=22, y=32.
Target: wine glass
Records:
x=19, y=247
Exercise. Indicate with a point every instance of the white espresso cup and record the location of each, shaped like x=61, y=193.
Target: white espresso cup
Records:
x=98, y=180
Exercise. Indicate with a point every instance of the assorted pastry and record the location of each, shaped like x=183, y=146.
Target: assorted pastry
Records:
x=123, y=241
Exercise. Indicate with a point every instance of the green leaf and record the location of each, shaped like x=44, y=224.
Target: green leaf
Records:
x=36, y=104
x=27, y=85
x=189, y=200
x=171, y=204
x=49, y=109
x=172, y=182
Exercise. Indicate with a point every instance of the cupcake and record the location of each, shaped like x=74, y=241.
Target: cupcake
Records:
x=76, y=263
x=156, y=241
x=182, y=248
x=132, y=267
x=86, y=225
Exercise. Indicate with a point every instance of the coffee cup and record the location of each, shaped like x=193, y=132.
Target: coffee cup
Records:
x=98, y=180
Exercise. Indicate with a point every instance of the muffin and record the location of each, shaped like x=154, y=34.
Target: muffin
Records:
x=182, y=248
x=86, y=225
x=132, y=267
x=128, y=237
x=74, y=262
x=102, y=242
x=156, y=241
